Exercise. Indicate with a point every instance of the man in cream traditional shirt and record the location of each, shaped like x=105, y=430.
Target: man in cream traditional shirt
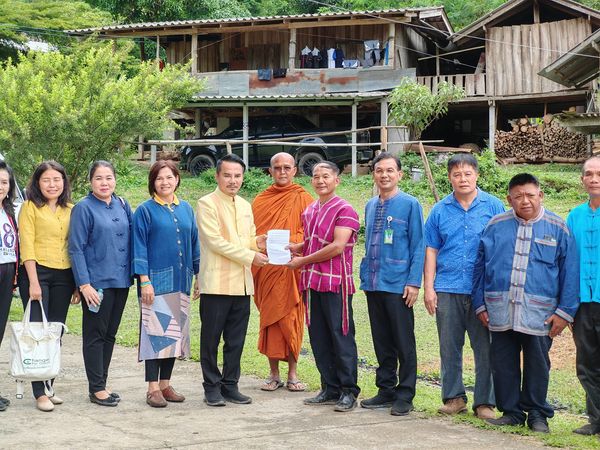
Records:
x=228, y=247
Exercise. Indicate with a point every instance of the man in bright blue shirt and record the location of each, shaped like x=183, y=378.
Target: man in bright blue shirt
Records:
x=584, y=222
x=525, y=290
x=452, y=235
x=390, y=275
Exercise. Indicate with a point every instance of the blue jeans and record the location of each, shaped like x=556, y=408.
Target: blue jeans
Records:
x=515, y=397
x=454, y=317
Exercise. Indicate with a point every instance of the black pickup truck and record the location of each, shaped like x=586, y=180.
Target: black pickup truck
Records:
x=197, y=158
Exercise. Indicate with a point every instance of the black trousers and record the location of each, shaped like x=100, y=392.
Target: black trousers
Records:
x=227, y=316
x=335, y=354
x=587, y=340
x=393, y=331
x=57, y=286
x=513, y=396
x=99, y=331
x=7, y=278
x=159, y=369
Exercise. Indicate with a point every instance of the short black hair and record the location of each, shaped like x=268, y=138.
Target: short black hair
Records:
x=588, y=160
x=34, y=193
x=231, y=157
x=100, y=163
x=522, y=179
x=461, y=159
x=386, y=155
x=330, y=165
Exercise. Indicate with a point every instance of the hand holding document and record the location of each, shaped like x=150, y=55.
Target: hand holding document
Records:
x=277, y=241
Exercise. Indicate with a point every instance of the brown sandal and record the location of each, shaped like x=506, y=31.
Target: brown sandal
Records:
x=295, y=386
x=271, y=384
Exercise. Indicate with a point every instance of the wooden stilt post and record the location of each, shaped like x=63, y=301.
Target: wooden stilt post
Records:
x=428, y=172
x=354, y=127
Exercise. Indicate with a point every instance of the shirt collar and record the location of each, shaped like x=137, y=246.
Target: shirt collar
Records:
x=161, y=203
x=451, y=199
x=224, y=196
x=390, y=198
x=532, y=221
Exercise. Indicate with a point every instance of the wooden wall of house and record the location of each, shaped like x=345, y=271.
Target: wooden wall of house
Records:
x=252, y=50
x=515, y=54
x=410, y=46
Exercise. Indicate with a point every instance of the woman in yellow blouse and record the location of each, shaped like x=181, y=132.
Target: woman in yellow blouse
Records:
x=47, y=278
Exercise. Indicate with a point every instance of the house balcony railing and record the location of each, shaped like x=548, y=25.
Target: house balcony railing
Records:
x=473, y=84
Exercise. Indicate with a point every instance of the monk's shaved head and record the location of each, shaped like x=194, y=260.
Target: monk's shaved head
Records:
x=283, y=157
x=283, y=169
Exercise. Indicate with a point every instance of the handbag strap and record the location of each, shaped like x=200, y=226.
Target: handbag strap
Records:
x=27, y=316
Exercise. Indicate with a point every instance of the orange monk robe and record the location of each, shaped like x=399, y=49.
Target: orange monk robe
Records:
x=276, y=287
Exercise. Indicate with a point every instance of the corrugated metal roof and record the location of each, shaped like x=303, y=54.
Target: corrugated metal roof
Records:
x=476, y=28
x=183, y=23
x=578, y=66
x=331, y=95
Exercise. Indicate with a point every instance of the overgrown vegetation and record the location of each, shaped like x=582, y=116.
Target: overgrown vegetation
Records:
x=82, y=106
x=412, y=104
x=44, y=20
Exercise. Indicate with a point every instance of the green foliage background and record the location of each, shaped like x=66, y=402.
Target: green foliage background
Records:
x=79, y=107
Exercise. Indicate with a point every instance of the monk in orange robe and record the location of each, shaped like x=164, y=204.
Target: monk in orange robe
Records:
x=276, y=293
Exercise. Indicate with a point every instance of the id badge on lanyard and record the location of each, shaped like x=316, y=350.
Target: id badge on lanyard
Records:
x=388, y=233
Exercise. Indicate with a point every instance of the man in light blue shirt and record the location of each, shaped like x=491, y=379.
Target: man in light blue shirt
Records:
x=584, y=222
x=452, y=235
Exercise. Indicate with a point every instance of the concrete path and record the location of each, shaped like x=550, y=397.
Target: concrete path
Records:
x=274, y=419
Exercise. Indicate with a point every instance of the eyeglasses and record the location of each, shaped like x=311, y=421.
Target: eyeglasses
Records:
x=282, y=168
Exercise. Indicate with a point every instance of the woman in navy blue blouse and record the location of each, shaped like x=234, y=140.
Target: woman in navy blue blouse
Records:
x=166, y=256
x=100, y=251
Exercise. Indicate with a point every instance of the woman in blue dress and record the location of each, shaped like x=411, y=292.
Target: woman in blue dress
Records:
x=166, y=256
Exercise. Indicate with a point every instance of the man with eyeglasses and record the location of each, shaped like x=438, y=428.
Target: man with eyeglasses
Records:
x=276, y=294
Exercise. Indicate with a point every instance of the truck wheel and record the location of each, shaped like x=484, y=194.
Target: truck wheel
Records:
x=200, y=163
x=307, y=161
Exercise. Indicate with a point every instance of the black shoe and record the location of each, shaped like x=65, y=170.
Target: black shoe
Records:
x=3, y=406
x=347, y=402
x=116, y=396
x=214, y=399
x=379, y=401
x=236, y=397
x=504, y=421
x=322, y=398
x=588, y=429
x=108, y=401
x=539, y=426
x=4, y=400
x=401, y=408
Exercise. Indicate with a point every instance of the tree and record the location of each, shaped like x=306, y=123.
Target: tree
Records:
x=135, y=11
x=44, y=20
x=415, y=106
x=79, y=107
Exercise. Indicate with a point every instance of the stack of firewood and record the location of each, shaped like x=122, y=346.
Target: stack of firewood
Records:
x=540, y=141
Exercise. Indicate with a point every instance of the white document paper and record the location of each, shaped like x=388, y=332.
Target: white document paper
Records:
x=277, y=241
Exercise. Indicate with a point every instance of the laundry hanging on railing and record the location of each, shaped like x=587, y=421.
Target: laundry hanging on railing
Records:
x=372, y=53
x=279, y=73
x=264, y=74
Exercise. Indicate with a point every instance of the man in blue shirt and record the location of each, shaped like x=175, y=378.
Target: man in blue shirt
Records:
x=525, y=290
x=390, y=275
x=452, y=235
x=584, y=222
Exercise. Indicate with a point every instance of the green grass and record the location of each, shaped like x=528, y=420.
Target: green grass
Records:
x=563, y=193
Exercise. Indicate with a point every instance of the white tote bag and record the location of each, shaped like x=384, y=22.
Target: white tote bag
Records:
x=35, y=348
